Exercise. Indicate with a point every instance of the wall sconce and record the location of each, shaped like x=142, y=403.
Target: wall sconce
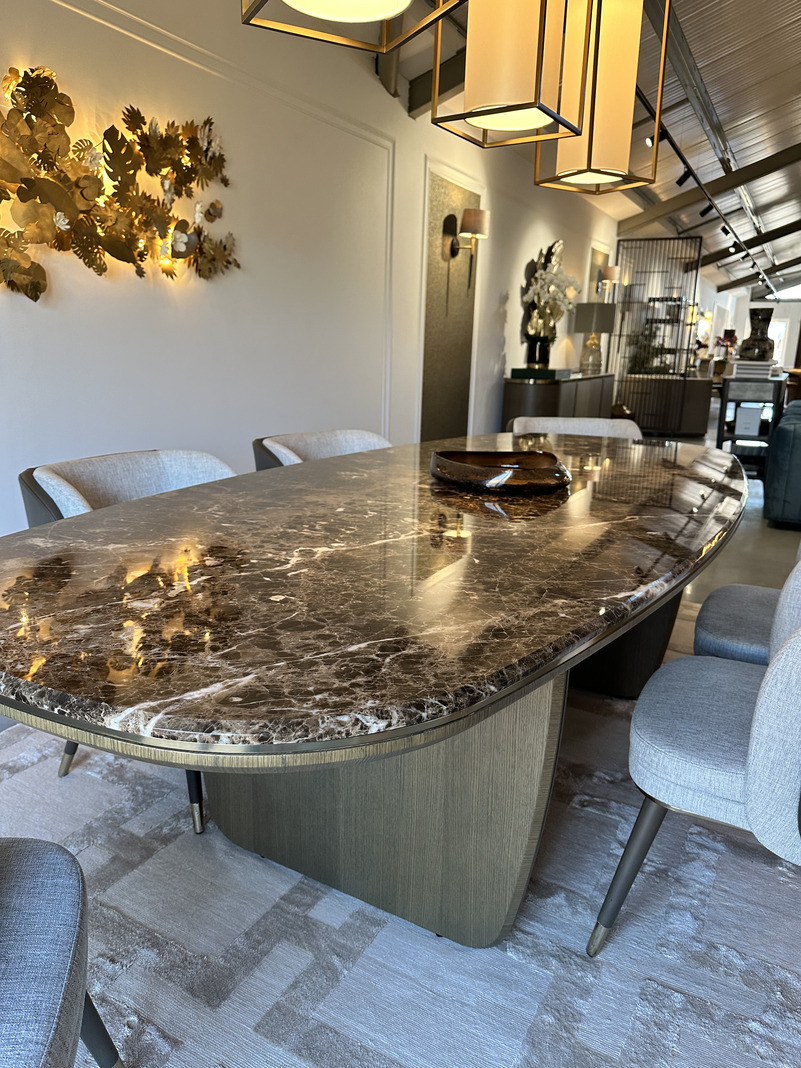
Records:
x=475, y=225
x=593, y=319
x=599, y=159
x=383, y=38
x=525, y=72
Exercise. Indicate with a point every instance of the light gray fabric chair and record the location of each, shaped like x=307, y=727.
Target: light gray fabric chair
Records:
x=557, y=424
x=72, y=487
x=314, y=445
x=721, y=740
x=44, y=1005
x=735, y=621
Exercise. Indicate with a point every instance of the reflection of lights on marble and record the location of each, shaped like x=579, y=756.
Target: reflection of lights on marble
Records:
x=35, y=666
x=24, y=630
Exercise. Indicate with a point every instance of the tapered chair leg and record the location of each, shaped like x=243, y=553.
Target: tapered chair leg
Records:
x=194, y=784
x=70, y=749
x=97, y=1039
x=642, y=835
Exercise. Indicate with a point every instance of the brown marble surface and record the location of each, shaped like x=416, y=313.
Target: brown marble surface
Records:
x=347, y=596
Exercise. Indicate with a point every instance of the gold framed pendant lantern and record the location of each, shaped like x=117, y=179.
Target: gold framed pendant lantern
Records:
x=525, y=69
x=598, y=160
x=374, y=22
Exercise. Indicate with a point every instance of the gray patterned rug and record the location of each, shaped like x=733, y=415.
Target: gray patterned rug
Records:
x=205, y=956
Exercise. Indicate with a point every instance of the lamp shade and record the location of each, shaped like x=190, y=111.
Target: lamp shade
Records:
x=372, y=20
x=350, y=10
x=598, y=159
x=611, y=274
x=594, y=318
x=524, y=75
x=475, y=223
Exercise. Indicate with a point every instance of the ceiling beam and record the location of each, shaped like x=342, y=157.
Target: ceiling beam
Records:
x=451, y=79
x=752, y=242
x=747, y=279
x=750, y=173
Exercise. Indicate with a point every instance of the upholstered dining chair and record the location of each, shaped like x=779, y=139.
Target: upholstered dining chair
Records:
x=314, y=445
x=72, y=487
x=735, y=622
x=721, y=740
x=557, y=424
x=44, y=1004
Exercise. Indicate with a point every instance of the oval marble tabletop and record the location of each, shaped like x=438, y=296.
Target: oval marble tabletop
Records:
x=348, y=597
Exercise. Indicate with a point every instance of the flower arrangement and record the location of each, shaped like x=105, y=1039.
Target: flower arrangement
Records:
x=92, y=199
x=545, y=296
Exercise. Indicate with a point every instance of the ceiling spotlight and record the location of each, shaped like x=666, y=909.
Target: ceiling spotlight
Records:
x=649, y=141
x=732, y=248
x=706, y=210
x=683, y=177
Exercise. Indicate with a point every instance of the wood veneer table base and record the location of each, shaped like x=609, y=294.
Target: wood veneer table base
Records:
x=444, y=836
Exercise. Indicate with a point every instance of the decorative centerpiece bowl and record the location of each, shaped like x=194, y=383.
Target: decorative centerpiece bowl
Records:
x=500, y=472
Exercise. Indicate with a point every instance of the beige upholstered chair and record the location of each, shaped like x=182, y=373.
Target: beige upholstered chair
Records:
x=314, y=445
x=557, y=424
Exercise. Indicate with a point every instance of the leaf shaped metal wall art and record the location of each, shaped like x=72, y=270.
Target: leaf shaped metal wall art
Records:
x=113, y=198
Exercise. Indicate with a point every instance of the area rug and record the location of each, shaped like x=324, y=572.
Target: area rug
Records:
x=205, y=956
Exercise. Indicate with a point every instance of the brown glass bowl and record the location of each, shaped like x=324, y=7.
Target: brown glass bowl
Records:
x=500, y=472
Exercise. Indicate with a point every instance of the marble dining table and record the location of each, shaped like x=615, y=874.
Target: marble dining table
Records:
x=369, y=666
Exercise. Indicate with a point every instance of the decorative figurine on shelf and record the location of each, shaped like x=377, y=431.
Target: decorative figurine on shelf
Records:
x=545, y=299
x=758, y=346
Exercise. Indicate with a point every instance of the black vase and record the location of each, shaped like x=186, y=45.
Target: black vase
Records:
x=539, y=351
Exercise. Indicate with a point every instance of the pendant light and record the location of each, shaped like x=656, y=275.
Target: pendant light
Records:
x=525, y=72
x=296, y=17
x=598, y=160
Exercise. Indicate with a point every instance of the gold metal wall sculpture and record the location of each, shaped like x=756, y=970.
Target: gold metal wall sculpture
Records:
x=91, y=199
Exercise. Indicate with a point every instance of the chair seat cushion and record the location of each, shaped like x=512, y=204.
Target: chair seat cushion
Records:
x=735, y=623
x=43, y=943
x=690, y=733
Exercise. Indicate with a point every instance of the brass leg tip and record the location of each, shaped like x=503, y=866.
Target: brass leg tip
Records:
x=65, y=765
x=197, y=818
x=597, y=939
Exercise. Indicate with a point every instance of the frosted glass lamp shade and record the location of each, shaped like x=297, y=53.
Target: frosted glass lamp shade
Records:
x=475, y=223
x=350, y=10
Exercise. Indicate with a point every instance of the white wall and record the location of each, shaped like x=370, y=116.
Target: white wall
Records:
x=321, y=327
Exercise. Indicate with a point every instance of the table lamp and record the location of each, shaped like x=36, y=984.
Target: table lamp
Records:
x=593, y=319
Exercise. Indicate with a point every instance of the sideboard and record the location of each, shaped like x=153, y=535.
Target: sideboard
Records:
x=579, y=395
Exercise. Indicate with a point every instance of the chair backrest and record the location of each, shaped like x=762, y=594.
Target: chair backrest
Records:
x=43, y=944
x=314, y=445
x=788, y=611
x=773, y=773
x=72, y=487
x=557, y=424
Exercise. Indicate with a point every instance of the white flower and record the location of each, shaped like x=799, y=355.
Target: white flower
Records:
x=153, y=128
x=200, y=209
x=62, y=222
x=94, y=159
x=180, y=240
